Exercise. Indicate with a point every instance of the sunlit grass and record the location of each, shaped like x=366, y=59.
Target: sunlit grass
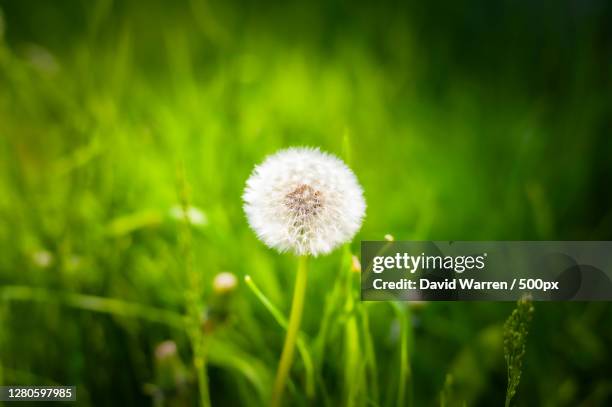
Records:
x=96, y=268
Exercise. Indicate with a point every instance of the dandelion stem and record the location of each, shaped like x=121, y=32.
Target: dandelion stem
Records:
x=282, y=321
x=295, y=318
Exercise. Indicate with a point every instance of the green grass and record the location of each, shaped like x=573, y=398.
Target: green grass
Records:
x=460, y=127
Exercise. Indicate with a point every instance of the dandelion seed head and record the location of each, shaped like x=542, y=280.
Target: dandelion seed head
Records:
x=304, y=201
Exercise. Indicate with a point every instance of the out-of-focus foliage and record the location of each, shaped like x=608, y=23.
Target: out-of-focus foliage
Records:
x=466, y=121
x=515, y=344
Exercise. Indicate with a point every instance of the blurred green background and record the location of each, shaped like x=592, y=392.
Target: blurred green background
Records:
x=465, y=120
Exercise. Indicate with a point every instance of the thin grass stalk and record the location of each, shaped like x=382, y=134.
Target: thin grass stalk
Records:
x=93, y=303
x=352, y=368
x=369, y=352
x=193, y=296
x=405, y=374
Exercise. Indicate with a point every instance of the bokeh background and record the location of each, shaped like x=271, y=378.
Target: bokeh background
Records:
x=462, y=120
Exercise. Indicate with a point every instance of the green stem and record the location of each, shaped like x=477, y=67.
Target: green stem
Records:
x=369, y=351
x=292, y=332
x=282, y=321
x=403, y=313
x=200, y=365
x=193, y=294
x=352, y=369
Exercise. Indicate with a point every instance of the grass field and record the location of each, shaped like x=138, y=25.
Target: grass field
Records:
x=472, y=121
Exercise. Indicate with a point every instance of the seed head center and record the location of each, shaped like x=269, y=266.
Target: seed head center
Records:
x=304, y=200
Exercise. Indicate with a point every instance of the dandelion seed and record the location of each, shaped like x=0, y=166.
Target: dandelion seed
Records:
x=305, y=201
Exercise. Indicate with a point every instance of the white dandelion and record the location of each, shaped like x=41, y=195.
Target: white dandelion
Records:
x=305, y=201
x=308, y=202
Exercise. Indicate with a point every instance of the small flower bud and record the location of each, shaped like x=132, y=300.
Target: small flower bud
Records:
x=42, y=258
x=192, y=215
x=165, y=350
x=224, y=282
x=355, y=264
x=171, y=376
x=417, y=304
